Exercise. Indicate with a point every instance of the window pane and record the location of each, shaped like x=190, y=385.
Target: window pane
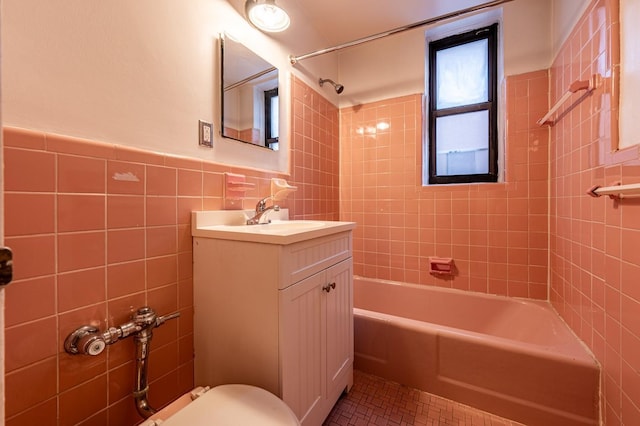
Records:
x=462, y=144
x=462, y=75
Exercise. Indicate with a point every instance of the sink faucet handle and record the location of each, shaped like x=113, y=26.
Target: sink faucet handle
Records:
x=262, y=204
x=262, y=210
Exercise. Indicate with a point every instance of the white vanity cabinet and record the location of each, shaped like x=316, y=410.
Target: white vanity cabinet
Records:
x=278, y=316
x=317, y=350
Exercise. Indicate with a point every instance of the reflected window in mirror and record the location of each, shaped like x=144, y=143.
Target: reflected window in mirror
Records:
x=272, y=118
x=250, y=102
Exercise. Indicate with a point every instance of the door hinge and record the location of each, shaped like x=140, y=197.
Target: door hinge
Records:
x=6, y=265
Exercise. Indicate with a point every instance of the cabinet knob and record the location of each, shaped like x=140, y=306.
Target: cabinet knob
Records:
x=328, y=287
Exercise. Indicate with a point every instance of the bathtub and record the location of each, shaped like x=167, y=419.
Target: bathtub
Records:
x=512, y=357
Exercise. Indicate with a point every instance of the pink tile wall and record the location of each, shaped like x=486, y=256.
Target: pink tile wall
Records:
x=496, y=233
x=314, y=155
x=595, y=242
x=81, y=241
x=90, y=249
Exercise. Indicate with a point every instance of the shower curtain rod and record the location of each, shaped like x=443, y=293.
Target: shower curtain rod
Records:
x=251, y=77
x=295, y=59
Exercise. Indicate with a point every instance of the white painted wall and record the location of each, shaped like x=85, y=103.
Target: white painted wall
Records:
x=142, y=73
x=527, y=36
x=139, y=73
x=564, y=16
x=395, y=66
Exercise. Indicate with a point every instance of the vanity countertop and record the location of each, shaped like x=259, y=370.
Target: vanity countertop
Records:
x=227, y=225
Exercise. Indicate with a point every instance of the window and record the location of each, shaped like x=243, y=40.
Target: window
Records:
x=271, y=118
x=462, y=121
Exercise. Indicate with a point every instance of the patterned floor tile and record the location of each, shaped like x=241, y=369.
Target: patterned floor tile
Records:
x=374, y=401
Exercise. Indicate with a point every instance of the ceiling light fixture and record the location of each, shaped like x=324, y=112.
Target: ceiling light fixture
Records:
x=266, y=15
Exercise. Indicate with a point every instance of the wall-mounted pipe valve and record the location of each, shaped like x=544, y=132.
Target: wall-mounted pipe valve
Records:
x=88, y=340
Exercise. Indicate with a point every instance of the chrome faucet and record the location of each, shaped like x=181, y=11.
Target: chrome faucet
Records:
x=262, y=210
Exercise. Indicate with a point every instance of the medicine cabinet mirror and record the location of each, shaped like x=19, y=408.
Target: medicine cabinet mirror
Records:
x=250, y=102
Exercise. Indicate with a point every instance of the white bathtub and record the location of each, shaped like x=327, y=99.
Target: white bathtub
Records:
x=512, y=357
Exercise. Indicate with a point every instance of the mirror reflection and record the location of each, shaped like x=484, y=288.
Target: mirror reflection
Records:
x=250, y=102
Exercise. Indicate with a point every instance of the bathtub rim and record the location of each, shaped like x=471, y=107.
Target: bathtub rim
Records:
x=453, y=290
x=548, y=352
x=586, y=355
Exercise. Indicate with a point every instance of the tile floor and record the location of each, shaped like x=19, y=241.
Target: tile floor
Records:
x=373, y=401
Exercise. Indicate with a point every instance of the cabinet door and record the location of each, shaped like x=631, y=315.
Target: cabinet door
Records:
x=339, y=319
x=302, y=343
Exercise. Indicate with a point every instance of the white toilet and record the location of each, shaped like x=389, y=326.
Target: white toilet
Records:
x=225, y=405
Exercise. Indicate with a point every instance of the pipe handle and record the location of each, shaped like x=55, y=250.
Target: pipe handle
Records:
x=86, y=340
x=164, y=318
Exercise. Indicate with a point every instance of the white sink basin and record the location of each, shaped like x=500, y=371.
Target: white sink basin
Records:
x=208, y=225
x=278, y=226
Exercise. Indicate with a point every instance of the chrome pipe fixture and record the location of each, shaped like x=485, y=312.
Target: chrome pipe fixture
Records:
x=87, y=340
x=339, y=87
x=266, y=15
x=488, y=5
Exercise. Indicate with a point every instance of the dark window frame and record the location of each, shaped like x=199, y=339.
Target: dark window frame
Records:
x=268, y=137
x=491, y=106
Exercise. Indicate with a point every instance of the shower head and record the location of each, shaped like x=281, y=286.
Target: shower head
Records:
x=339, y=87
